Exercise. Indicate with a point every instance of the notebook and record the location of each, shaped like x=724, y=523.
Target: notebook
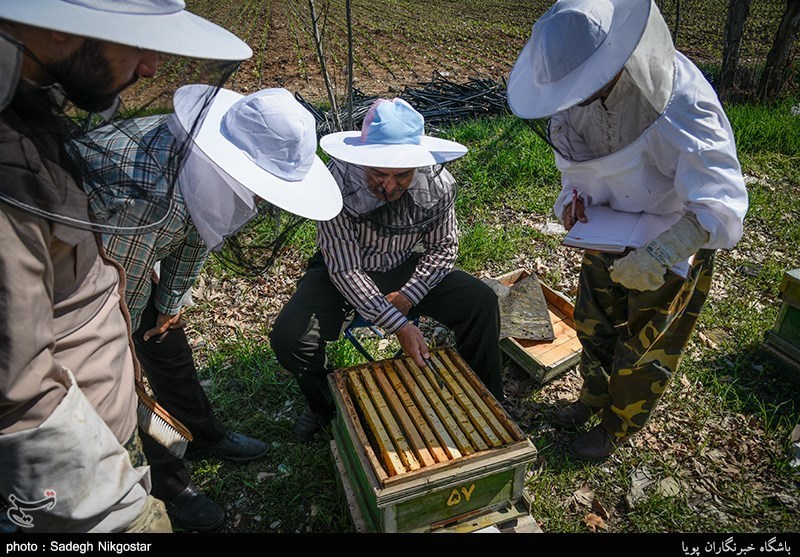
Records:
x=612, y=231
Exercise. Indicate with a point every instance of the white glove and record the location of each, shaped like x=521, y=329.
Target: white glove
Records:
x=644, y=268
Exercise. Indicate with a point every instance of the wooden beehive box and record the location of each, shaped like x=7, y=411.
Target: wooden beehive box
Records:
x=545, y=360
x=783, y=340
x=423, y=454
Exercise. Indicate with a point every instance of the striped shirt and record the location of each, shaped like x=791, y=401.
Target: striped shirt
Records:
x=175, y=243
x=351, y=249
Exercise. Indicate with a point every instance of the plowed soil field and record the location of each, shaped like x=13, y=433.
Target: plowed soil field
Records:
x=400, y=43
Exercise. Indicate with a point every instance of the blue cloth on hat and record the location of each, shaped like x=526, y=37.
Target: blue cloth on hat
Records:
x=392, y=123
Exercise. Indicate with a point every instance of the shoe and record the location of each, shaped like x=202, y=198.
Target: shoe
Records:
x=575, y=415
x=192, y=510
x=233, y=447
x=309, y=423
x=595, y=444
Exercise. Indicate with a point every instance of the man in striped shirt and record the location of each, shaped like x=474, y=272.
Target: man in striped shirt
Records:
x=389, y=256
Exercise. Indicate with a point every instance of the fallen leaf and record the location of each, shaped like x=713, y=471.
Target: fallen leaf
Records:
x=707, y=341
x=583, y=497
x=594, y=522
x=669, y=487
x=598, y=507
x=641, y=478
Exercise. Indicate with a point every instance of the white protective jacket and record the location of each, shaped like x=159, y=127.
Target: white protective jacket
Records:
x=685, y=161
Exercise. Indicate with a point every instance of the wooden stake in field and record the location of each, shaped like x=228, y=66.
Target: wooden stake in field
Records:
x=315, y=33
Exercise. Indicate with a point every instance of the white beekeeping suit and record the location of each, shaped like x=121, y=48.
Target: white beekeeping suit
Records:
x=634, y=126
x=659, y=142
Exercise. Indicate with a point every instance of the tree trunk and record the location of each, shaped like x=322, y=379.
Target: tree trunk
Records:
x=665, y=6
x=677, y=21
x=777, y=63
x=317, y=35
x=738, y=10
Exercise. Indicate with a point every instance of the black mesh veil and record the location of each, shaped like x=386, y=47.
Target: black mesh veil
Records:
x=643, y=86
x=428, y=199
x=257, y=246
x=112, y=180
x=541, y=127
x=246, y=234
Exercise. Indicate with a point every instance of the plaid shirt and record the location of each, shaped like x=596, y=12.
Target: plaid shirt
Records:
x=176, y=243
x=351, y=249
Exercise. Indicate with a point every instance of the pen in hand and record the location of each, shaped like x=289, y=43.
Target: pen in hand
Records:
x=574, y=206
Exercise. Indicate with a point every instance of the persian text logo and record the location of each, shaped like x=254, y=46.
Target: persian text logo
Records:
x=16, y=513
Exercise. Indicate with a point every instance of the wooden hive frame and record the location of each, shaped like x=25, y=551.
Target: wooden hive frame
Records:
x=416, y=422
x=409, y=424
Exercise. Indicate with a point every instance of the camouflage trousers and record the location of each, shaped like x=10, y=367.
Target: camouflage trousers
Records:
x=633, y=341
x=153, y=518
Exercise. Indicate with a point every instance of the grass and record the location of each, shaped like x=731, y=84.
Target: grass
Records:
x=293, y=489
x=766, y=129
x=718, y=448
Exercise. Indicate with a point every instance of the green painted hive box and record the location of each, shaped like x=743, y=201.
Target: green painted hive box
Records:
x=426, y=449
x=783, y=340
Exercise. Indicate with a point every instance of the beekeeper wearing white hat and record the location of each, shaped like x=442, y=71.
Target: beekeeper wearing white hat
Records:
x=70, y=456
x=397, y=195
x=636, y=126
x=252, y=156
